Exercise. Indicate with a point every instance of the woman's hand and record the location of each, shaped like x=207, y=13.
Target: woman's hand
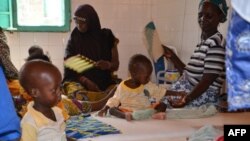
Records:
x=89, y=85
x=103, y=65
x=178, y=102
x=168, y=52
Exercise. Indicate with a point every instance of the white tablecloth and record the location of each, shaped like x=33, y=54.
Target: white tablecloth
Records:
x=165, y=130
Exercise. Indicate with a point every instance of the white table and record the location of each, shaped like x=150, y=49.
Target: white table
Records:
x=165, y=130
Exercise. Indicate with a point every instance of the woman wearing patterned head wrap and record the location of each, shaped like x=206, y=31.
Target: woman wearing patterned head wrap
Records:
x=205, y=72
x=221, y=4
x=90, y=40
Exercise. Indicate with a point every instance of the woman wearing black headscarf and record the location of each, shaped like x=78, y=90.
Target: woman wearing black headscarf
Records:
x=99, y=44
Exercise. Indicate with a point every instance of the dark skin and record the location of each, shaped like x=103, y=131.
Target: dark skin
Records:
x=45, y=90
x=44, y=86
x=140, y=75
x=209, y=17
x=112, y=65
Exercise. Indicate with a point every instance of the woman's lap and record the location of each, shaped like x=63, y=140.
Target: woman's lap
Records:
x=210, y=96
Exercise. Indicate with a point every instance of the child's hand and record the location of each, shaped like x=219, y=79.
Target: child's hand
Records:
x=128, y=116
x=161, y=107
x=102, y=112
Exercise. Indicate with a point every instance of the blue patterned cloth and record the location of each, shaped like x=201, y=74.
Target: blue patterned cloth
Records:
x=238, y=63
x=211, y=96
x=79, y=127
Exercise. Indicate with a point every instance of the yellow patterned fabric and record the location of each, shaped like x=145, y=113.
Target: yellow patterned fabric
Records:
x=77, y=91
x=15, y=87
x=70, y=107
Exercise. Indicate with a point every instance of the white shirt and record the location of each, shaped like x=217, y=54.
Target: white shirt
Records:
x=37, y=127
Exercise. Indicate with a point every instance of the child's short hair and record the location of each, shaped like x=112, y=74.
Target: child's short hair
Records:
x=137, y=59
x=35, y=49
x=36, y=52
x=31, y=70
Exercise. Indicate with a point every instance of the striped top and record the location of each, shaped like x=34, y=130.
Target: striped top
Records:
x=208, y=57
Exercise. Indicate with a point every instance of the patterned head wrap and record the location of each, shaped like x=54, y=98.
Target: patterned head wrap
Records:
x=221, y=4
x=2, y=35
x=10, y=70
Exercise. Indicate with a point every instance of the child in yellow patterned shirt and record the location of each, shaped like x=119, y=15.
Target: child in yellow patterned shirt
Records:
x=136, y=93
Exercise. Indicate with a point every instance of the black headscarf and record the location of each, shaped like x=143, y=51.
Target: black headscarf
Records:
x=95, y=43
x=88, y=12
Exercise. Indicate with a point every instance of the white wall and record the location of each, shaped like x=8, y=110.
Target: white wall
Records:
x=176, y=22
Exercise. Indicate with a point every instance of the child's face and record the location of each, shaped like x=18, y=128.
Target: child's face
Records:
x=208, y=17
x=142, y=75
x=49, y=89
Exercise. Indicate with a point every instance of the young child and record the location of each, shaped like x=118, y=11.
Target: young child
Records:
x=36, y=52
x=136, y=93
x=43, y=121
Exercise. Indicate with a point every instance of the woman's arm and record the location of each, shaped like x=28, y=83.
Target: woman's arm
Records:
x=206, y=81
x=115, y=57
x=169, y=54
x=199, y=89
x=112, y=65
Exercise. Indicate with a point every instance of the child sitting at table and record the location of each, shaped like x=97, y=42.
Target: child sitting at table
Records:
x=43, y=121
x=136, y=94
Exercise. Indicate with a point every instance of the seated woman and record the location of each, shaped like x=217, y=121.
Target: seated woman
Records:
x=98, y=44
x=9, y=69
x=203, y=76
